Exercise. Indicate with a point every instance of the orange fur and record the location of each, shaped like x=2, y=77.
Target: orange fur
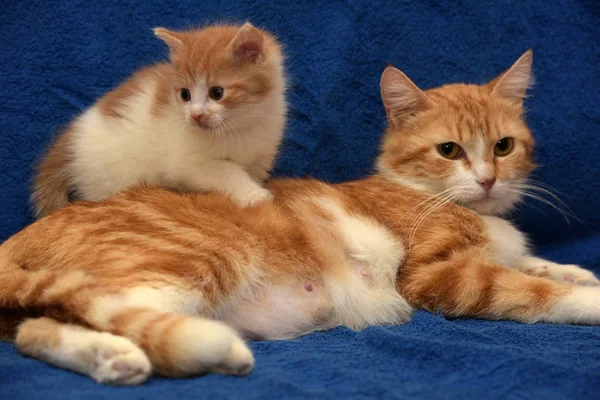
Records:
x=146, y=113
x=145, y=263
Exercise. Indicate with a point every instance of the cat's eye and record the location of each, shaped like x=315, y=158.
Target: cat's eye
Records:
x=185, y=94
x=504, y=146
x=450, y=150
x=216, y=93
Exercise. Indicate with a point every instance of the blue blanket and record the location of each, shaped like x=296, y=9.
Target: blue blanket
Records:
x=58, y=56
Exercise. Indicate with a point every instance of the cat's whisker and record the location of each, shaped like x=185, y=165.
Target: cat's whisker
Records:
x=565, y=213
x=542, y=190
x=424, y=217
x=527, y=185
x=430, y=209
x=431, y=198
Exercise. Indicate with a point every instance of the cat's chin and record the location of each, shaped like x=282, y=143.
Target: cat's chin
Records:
x=203, y=126
x=489, y=206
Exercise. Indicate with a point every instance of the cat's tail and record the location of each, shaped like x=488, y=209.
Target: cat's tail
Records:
x=465, y=286
x=50, y=189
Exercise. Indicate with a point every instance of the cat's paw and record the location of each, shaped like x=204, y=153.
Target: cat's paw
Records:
x=212, y=346
x=239, y=360
x=253, y=197
x=117, y=361
x=569, y=274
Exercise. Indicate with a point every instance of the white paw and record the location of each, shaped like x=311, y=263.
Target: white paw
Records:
x=253, y=197
x=117, y=361
x=239, y=360
x=212, y=346
x=570, y=274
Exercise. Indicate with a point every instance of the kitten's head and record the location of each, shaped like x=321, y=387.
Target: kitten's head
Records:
x=467, y=142
x=223, y=74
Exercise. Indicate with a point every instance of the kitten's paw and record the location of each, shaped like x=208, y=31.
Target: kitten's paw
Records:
x=569, y=274
x=117, y=361
x=254, y=197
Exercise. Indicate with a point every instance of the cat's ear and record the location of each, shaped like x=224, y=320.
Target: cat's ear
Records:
x=173, y=39
x=513, y=83
x=248, y=44
x=401, y=97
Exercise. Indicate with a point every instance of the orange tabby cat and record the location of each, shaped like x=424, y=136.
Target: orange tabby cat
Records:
x=152, y=281
x=479, y=161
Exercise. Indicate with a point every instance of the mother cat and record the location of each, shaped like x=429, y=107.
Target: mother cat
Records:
x=151, y=280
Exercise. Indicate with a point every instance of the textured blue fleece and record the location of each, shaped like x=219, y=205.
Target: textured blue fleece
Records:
x=58, y=56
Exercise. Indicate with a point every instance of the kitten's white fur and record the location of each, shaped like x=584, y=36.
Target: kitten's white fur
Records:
x=114, y=153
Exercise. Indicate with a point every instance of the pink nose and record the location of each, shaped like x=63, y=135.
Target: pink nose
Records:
x=487, y=183
x=198, y=117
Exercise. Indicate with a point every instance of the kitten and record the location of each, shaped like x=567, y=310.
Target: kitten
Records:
x=211, y=119
x=458, y=155
x=152, y=280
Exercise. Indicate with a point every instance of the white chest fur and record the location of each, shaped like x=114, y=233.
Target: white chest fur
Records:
x=363, y=291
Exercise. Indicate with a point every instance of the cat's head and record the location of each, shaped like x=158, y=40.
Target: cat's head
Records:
x=468, y=143
x=224, y=74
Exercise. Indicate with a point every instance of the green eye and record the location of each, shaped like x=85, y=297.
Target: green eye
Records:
x=450, y=150
x=504, y=146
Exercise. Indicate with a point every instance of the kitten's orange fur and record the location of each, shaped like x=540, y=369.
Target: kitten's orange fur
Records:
x=145, y=131
x=149, y=265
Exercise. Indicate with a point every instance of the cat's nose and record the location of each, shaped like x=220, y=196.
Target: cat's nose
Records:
x=487, y=184
x=198, y=117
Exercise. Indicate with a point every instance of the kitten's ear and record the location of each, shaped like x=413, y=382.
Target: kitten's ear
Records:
x=248, y=44
x=513, y=83
x=401, y=97
x=173, y=39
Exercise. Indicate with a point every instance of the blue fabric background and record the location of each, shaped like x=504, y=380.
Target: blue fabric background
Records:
x=58, y=56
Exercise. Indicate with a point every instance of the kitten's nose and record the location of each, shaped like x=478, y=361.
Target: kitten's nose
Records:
x=198, y=117
x=487, y=183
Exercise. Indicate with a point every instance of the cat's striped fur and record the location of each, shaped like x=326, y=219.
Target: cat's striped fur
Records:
x=156, y=281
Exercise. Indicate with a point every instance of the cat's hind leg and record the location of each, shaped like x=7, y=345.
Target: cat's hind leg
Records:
x=157, y=318
x=105, y=357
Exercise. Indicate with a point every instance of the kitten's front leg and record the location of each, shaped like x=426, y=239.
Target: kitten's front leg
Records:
x=570, y=273
x=261, y=167
x=229, y=178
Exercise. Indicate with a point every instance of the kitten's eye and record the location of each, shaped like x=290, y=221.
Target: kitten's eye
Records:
x=216, y=93
x=504, y=146
x=185, y=95
x=450, y=150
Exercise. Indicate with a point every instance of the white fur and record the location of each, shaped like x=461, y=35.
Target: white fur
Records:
x=198, y=344
x=570, y=273
x=107, y=358
x=359, y=292
x=508, y=244
x=365, y=293
x=509, y=248
x=580, y=306
x=169, y=150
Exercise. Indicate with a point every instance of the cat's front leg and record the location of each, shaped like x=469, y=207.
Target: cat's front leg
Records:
x=570, y=273
x=228, y=178
x=261, y=166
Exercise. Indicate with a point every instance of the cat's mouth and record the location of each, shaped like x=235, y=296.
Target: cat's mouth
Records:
x=203, y=125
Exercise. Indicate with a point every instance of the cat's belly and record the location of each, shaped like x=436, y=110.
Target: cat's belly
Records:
x=281, y=312
x=351, y=298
